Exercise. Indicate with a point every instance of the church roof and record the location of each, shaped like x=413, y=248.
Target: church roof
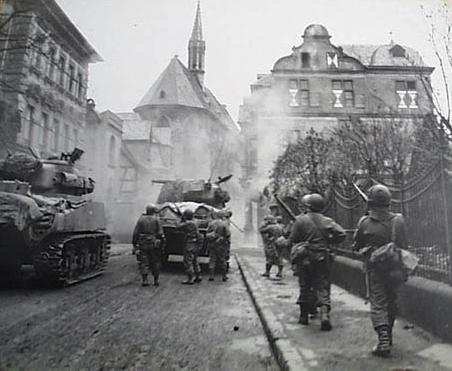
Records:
x=178, y=86
x=175, y=86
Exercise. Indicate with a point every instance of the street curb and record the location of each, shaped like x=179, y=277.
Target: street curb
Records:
x=285, y=353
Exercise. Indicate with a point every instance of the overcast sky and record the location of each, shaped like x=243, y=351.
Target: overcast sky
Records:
x=137, y=38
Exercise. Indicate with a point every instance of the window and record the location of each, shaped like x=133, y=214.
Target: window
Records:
x=343, y=92
x=71, y=78
x=45, y=131
x=80, y=86
x=51, y=66
x=28, y=134
x=56, y=134
x=305, y=60
x=397, y=51
x=406, y=93
x=299, y=91
x=66, y=137
x=62, y=68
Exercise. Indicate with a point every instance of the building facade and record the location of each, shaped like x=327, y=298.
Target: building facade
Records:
x=43, y=78
x=318, y=85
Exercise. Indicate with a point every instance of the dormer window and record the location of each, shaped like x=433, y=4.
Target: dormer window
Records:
x=397, y=51
x=305, y=60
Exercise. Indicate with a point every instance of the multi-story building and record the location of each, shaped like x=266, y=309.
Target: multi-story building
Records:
x=318, y=85
x=43, y=77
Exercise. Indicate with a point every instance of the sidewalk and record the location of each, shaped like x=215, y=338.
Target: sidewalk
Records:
x=347, y=346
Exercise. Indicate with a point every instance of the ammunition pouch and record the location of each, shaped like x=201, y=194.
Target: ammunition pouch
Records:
x=305, y=253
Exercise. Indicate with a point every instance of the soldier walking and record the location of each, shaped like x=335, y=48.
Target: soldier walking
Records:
x=191, y=248
x=376, y=229
x=316, y=232
x=218, y=239
x=147, y=241
x=270, y=231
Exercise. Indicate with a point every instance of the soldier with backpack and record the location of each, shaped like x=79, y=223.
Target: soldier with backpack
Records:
x=311, y=236
x=147, y=242
x=375, y=231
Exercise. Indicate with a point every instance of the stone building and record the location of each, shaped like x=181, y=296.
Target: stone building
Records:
x=179, y=129
x=318, y=85
x=43, y=78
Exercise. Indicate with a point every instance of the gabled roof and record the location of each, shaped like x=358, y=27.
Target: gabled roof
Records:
x=175, y=86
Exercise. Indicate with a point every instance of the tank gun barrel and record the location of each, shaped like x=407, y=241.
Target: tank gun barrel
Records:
x=162, y=181
x=224, y=179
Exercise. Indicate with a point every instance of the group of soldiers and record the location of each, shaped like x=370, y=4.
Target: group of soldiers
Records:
x=149, y=240
x=310, y=239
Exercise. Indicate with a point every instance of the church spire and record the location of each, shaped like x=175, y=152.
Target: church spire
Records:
x=197, y=48
x=196, y=33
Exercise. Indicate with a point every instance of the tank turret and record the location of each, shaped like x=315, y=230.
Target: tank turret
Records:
x=200, y=191
x=46, y=220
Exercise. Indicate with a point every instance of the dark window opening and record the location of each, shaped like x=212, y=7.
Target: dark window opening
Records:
x=162, y=94
x=411, y=85
x=71, y=78
x=80, y=86
x=305, y=60
x=397, y=51
x=62, y=67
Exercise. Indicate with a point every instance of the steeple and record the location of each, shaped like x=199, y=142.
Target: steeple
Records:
x=197, y=48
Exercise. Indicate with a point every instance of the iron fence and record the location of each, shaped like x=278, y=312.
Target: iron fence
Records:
x=427, y=207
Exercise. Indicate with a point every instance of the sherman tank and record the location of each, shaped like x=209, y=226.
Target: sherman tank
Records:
x=200, y=196
x=47, y=220
x=199, y=191
x=171, y=215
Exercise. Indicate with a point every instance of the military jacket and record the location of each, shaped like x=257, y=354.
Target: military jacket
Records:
x=219, y=230
x=147, y=225
x=304, y=229
x=375, y=230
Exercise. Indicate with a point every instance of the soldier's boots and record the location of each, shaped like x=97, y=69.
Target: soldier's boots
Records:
x=267, y=270
x=156, y=281
x=212, y=274
x=144, y=281
x=325, y=324
x=383, y=348
x=280, y=269
x=198, y=278
x=189, y=280
x=304, y=319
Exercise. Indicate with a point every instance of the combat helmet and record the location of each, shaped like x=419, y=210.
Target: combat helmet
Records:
x=187, y=214
x=379, y=195
x=315, y=202
x=151, y=209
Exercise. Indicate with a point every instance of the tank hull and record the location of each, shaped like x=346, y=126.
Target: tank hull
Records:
x=63, y=240
x=170, y=216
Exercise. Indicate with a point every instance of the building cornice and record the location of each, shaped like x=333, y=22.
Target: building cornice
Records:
x=368, y=71
x=53, y=14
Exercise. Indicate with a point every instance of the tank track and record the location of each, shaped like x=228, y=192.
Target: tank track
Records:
x=71, y=258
